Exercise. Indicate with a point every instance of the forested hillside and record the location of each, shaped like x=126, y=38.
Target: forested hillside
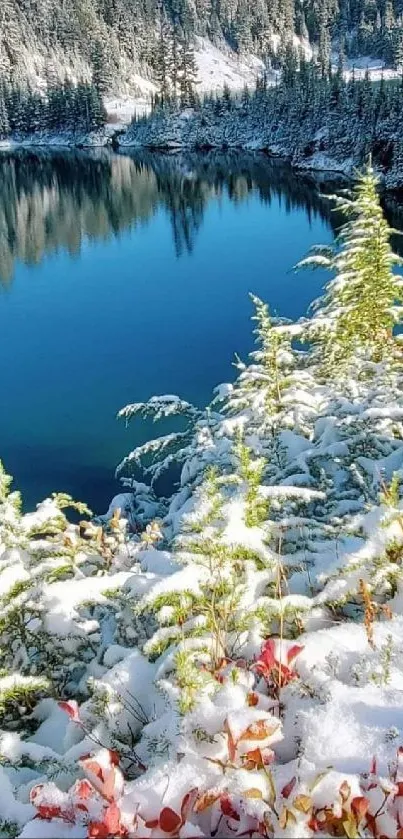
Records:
x=315, y=120
x=114, y=40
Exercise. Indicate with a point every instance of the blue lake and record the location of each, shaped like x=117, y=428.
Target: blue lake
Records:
x=124, y=276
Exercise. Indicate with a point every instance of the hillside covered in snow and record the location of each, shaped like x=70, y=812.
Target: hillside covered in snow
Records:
x=227, y=661
x=124, y=45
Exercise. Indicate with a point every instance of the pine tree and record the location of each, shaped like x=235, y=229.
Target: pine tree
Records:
x=365, y=300
x=162, y=61
x=55, y=106
x=398, y=50
x=242, y=29
x=102, y=75
x=175, y=62
x=4, y=121
x=290, y=66
x=187, y=74
x=15, y=102
x=324, y=46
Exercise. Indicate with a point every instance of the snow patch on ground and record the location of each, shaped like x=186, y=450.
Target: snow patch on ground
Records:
x=217, y=68
x=376, y=68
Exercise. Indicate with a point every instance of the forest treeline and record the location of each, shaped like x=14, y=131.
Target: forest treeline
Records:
x=310, y=112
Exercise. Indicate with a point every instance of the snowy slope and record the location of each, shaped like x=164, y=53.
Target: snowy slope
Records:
x=215, y=68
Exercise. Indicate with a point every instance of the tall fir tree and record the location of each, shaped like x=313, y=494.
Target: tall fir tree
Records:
x=187, y=73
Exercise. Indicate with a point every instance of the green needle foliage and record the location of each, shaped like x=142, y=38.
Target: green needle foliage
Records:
x=251, y=471
x=363, y=303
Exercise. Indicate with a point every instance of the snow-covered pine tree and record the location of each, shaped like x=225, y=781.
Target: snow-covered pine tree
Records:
x=358, y=439
x=162, y=60
x=363, y=303
x=231, y=590
x=160, y=454
x=4, y=121
x=274, y=394
x=102, y=75
x=187, y=73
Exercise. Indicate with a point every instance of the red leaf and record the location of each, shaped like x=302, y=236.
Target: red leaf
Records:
x=104, y=779
x=48, y=811
x=371, y=824
x=293, y=652
x=284, y=674
x=253, y=759
x=112, y=818
x=270, y=667
x=287, y=790
x=359, y=806
x=109, y=826
x=169, y=820
x=93, y=767
x=84, y=789
x=227, y=809
x=97, y=830
x=71, y=708
x=257, y=758
x=260, y=730
x=114, y=756
x=314, y=825
x=152, y=823
x=267, y=657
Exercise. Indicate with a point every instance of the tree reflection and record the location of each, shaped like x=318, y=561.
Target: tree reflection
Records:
x=51, y=201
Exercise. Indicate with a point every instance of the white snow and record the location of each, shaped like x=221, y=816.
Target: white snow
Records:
x=215, y=68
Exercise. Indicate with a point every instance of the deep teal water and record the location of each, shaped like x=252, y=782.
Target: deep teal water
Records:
x=122, y=278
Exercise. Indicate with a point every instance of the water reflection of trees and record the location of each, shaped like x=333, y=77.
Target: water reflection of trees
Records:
x=55, y=200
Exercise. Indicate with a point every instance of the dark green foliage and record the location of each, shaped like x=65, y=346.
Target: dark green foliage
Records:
x=64, y=107
x=363, y=303
x=307, y=113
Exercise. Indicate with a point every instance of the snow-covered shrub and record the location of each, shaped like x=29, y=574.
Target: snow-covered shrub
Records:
x=60, y=592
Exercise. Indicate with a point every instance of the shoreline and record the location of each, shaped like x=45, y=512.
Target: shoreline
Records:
x=320, y=164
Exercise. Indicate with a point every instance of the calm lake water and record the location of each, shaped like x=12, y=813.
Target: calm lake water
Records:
x=122, y=277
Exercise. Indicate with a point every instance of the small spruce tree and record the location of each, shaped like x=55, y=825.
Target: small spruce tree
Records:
x=364, y=302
